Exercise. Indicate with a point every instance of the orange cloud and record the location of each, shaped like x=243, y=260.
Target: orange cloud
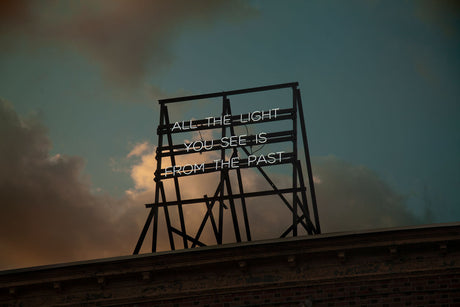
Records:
x=349, y=197
x=48, y=213
x=138, y=149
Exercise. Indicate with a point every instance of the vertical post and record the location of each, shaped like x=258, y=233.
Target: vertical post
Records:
x=221, y=210
x=304, y=204
x=176, y=181
x=308, y=162
x=294, y=164
x=157, y=181
x=222, y=176
x=155, y=228
x=225, y=173
x=168, y=220
x=239, y=179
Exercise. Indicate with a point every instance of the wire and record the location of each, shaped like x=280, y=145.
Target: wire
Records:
x=253, y=152
x=247, y=133
x=258, y=149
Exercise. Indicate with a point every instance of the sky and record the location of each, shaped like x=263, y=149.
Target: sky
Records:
x=80, y=81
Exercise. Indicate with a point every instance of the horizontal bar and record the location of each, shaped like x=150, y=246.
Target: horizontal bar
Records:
x=211, y=167
x=226, y=197
x=201, y=124
x=180, y=149
x=229, y=93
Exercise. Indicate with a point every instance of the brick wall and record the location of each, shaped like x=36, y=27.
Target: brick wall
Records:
x=417, y=266
x=413, y=291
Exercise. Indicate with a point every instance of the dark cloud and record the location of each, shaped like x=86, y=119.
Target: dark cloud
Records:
x=13, y=13
x=352, y=197
x=349, y=197
x=444, y=14
x=47, y=212
x=123, y=37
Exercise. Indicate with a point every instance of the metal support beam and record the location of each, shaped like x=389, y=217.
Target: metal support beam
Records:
x=224, y=192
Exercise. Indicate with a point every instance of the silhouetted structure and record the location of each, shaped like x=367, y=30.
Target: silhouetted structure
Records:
x=238, y=152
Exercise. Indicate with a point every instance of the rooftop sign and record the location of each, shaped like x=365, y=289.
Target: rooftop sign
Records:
x=235, y=155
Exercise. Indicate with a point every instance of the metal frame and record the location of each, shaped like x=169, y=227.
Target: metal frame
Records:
x=224, y=195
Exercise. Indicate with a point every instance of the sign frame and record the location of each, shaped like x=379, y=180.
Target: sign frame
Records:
x=224, y=191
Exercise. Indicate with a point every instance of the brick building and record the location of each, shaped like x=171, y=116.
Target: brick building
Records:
x=416, y=266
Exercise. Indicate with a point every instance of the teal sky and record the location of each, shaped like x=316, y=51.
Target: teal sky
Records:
x=380, y=81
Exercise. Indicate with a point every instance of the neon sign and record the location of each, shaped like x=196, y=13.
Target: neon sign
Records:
x=234, y=156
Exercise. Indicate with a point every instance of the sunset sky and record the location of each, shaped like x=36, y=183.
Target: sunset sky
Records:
x=80, y=80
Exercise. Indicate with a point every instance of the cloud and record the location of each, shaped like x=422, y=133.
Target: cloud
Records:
x=444, y=14
x=124, y=38
x=13, y=14
x=47, y=212
x=138, y=150
x=194, y=187
x=350, y=198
